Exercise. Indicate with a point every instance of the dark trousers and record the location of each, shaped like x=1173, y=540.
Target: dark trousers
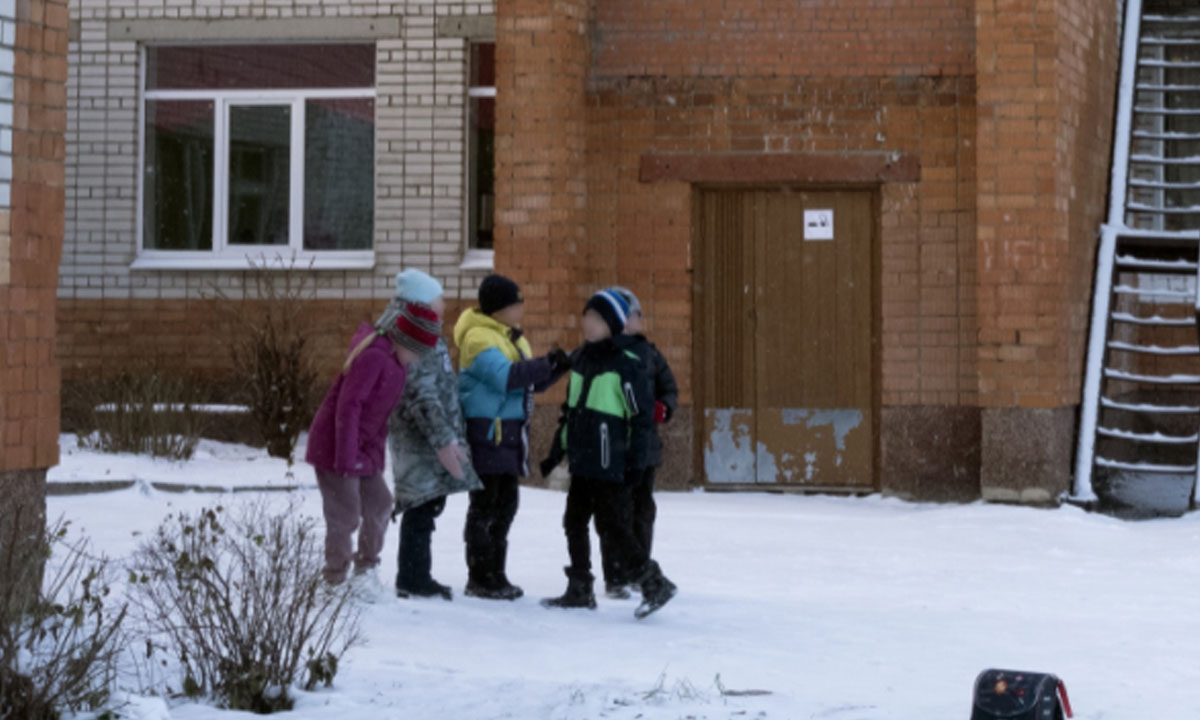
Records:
x=642, y=514
x=416, y=532
x=489, y=517
x=611, y=503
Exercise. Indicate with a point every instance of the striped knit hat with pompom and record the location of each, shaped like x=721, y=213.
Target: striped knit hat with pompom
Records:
x=411, y=325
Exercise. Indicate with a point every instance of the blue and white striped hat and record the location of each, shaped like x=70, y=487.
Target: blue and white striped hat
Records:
x=612, y=307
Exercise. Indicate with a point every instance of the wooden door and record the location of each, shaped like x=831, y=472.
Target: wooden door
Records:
x=785, y=341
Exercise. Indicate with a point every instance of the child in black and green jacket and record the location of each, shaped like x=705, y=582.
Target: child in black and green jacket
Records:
x=610, y=401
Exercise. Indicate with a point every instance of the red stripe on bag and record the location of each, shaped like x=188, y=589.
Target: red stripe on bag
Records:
x=1066, y=701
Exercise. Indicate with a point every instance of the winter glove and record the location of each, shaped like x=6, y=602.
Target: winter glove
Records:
x=452, y=458
x=547, y=466
x=662, y=412
x=560, y=361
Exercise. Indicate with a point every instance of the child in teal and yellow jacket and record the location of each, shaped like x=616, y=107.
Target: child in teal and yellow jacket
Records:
x=497, y=380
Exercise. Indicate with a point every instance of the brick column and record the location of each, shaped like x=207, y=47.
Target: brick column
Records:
x=542, y=61
x=1046, y=72
x=32, y=142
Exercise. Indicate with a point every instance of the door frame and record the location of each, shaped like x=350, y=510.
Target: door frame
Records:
x=699, y=402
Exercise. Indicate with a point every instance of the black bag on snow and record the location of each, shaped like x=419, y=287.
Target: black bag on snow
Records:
x=1015, y=695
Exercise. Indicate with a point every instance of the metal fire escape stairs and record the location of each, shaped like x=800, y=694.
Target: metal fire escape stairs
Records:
x=1140, y=417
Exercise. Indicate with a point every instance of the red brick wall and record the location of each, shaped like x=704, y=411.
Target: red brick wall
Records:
x=192, y=337
x=542, y=56
x=639, y=234
x=1089, y=60
x=1046, y=77
x=29, y=378
x=781, y=38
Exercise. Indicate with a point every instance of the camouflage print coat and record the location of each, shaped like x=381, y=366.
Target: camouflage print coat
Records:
x=429, y=417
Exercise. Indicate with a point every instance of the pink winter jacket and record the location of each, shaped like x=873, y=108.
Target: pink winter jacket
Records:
x=349, y=433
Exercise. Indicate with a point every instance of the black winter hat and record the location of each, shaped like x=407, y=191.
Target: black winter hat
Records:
x=497, y=292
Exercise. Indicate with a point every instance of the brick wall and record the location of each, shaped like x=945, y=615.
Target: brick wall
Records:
x=1046, y=75
x=740, y=38
x=640, y=234
x=32, y=120
x=420, y=168
x=541, y=235
x=1046, y=79
x=191, y=337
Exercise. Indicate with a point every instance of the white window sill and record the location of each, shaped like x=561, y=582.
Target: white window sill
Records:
x=167, y=260
x=478, y=260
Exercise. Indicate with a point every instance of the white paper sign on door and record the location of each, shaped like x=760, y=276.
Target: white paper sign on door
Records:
x=818, y=225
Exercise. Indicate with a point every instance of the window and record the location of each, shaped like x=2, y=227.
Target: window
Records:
x=253, y=149
x=481, y=110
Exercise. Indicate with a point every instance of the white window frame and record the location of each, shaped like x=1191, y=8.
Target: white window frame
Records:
x=473, y=258
x=224, y=256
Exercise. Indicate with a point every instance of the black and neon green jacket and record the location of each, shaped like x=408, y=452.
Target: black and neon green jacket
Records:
x=609, y=399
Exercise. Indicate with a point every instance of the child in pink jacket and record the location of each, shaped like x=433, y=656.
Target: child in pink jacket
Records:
x=347, y=441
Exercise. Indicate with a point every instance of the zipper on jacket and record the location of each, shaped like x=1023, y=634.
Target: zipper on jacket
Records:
x=604, y=445
x=629, y=397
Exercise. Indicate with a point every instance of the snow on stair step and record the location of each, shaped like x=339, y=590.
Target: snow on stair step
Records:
x=1150, y=408
x=1132, y=319
x=1144, y=467
x=1155, y=349
x=1152, y=135
x=1164, y=185
x=1176, y=379
x=1155, y=437
x=1172, y=19
x=1153, y=292
x=1169, y=88
x=1150, y=110
x=1137, y=262
x=1170, y=41
x=1163, y=210
x=1157, y=160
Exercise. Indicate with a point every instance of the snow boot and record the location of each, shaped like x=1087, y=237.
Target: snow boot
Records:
x=616, y=591
x=657, y=590
x=428, y=589
x=579, y=593
x=491, y=588
x=512, y=592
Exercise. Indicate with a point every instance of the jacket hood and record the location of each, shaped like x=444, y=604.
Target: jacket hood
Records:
x=473, y=318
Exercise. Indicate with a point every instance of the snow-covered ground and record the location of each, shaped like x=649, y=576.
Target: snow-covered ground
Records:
x=846, y=609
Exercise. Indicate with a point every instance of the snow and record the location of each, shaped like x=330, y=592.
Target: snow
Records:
x=163, y=407
x=215, y=465
x=848, y=609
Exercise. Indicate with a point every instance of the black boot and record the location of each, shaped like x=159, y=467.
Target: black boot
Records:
x=429, y=589
x=506, y=588
x=657, y=590
x=579, y=593
x=616, y=591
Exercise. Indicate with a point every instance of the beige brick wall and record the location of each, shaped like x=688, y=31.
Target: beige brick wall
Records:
x=420, y=149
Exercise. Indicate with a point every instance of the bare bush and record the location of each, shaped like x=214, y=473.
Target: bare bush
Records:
x=240, y=604
x=271, y=348
x=139, y=411
x=60, y=633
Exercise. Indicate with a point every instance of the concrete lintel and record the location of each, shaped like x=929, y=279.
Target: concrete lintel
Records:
x=254, y=29
x=471, y=27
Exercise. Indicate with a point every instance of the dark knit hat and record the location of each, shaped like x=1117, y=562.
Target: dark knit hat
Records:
x=497, y=292
x=416, y=327
x=612, y=307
